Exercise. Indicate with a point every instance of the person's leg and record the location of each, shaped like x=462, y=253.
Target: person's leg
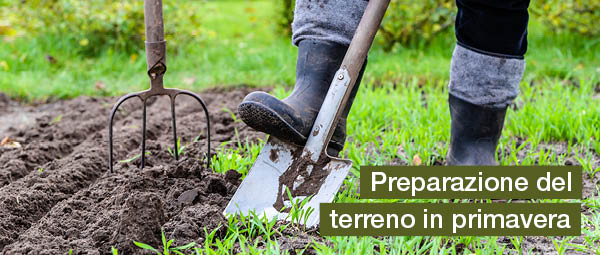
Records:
x=322, y=30
x=327, y=20
x=486, y=69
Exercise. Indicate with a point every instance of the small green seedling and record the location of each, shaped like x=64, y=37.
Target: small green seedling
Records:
x=297, y=214
x=133, y=158
x=56, y=119
x=233, y=116
x=167, y=249
x=559, y=245
x=181, y=149
x=517, y=242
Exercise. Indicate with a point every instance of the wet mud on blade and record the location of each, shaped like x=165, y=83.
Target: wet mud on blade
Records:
x=262, y=188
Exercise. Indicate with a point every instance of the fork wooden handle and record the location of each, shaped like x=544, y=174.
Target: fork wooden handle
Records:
x=156, y=59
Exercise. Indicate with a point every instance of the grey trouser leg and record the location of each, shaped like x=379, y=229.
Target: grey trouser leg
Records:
x=327, y=20
x=490, y=79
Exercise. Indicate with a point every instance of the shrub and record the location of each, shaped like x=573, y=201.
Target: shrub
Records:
x=580, y=16
x=407, y=22
x=284, y=11
x=97, y=25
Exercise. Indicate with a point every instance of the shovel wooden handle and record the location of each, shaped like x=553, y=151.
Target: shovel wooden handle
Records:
x=363, y=38
x=344, y=80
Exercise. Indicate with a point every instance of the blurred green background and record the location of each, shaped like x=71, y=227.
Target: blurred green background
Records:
x=65, y=48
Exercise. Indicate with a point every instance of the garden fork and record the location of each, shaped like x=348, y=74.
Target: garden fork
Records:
x=156, y=67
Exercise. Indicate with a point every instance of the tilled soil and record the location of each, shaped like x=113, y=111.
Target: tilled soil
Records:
x=57, y=193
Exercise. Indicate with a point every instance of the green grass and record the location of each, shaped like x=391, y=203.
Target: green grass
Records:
x=400, y=113
x=241, y=46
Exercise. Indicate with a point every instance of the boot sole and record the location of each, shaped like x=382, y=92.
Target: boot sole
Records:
x=264, y=119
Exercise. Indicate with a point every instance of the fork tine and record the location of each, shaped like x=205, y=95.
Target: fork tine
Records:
x=110, y=130
x=143, y=96
x=175, y=145
x=197, y=97
x=143, y=163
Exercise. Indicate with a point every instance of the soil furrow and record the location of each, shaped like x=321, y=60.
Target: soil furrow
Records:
x=25, y=201
x=61, y=127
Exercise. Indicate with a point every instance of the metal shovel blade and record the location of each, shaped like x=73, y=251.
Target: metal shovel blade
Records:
x=263, y=192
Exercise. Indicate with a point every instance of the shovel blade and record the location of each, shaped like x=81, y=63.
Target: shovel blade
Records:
x=259, y=191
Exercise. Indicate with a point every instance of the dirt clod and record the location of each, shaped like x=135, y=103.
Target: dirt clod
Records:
x=233, y=177
x=188, y=197
x=217, y=185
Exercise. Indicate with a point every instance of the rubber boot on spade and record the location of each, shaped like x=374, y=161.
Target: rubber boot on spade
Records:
x=474, y=134
x=292, y=118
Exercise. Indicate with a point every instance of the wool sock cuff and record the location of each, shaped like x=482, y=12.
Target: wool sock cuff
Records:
x=489, y=80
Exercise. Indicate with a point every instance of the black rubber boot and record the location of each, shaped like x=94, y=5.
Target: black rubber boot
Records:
x=292, y=118
x=474, y=134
